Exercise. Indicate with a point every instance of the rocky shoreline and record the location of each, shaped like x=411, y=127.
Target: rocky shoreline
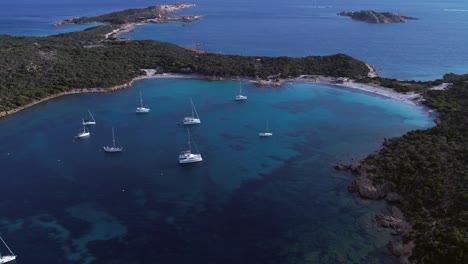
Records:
x=392, y=217
x=374, y=17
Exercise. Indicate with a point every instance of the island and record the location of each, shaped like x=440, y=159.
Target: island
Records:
x=422, y=174
x=370, y=16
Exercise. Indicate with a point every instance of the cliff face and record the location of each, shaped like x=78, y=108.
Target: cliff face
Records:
x=370, y=16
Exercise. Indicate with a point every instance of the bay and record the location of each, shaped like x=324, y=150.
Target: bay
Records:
x=251, y=200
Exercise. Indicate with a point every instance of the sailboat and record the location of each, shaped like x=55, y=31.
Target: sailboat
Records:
x=194, y=119
x=91, y=121
x=84, y=133
x=7, y=258
x=266, y=133
x=114, y=148
x=240, y=97
x=141, y=109
x=187, y=156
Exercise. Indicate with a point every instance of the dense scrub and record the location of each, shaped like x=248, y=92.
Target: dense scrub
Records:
x=35, y=67
x=430, y=168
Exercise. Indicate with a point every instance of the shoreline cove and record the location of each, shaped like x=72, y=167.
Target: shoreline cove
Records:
x=410, y=98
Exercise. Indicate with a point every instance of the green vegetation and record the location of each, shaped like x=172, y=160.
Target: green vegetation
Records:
x=430, y=168
x=134, y=15
x=35, y=67
x=401, y=86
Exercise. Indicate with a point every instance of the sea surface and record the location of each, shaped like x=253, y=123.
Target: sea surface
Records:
x=251, y=200
x=423, y=49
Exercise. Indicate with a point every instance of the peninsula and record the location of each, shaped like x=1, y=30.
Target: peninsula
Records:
x=370, y=16
x=152, y=14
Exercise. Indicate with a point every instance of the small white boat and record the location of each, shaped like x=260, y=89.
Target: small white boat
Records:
x=114, y=148
x=187, y=156
x=141, y=109
x=84, y=133
x=267, y=133
x=240, y=97
x=194, y=119
x=7, y=258
x=91, y=121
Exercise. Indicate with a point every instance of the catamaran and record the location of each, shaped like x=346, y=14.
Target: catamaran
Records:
x=240, y=97
x=266, y=133
x=90, y=121
x=84, y=133
x=7, y=258
x=141, y=109
x=187, y=156
x=194, y=119
x=114, y=148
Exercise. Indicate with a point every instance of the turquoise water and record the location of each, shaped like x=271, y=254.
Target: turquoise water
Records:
x=252, y=200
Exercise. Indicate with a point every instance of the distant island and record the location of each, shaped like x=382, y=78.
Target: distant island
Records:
x=152, y=14
x=370, y=16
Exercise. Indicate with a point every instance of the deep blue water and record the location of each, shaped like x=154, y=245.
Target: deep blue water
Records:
x=252, y=200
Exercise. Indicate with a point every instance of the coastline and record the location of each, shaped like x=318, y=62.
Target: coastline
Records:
x=413, y=98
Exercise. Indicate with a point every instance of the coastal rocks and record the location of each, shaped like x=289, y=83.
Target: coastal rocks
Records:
x=393, y=218
x=363, y=185
x=401, y=250
x=367, y=189
x=370, y=16
x=268, y=83
x=393, y=197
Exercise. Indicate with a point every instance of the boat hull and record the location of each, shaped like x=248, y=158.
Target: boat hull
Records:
x=142, y=110
x=189, y=158
x=265, y=134
x=191, y=121
x=112, y=149
x=6, y=259
x=82, y=135
x=241, y=98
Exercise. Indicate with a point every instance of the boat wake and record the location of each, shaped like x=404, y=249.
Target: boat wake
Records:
x=455, y=10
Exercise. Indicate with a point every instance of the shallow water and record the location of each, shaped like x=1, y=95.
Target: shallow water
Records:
x=252, y=200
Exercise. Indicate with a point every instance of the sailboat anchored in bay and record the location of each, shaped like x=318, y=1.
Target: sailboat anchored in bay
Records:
x=240, y=97
x=187, y=156
x=194, y=119
x=114, y=148
x=91, y=121
x=141, y=109
x=7, y=258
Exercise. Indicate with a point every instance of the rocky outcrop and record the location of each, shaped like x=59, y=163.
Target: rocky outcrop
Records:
x=403, y=251
x=393, y=218
x=370, y=16
x=363, y=185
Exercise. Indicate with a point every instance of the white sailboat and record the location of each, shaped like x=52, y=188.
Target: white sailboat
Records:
x=187, y=156
x=7, y=258
x=267, y=133
x=114, y=148
x=84, y=133
x=91, y=121
x=141, y=109
x=240, y=97
x=194, y=119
